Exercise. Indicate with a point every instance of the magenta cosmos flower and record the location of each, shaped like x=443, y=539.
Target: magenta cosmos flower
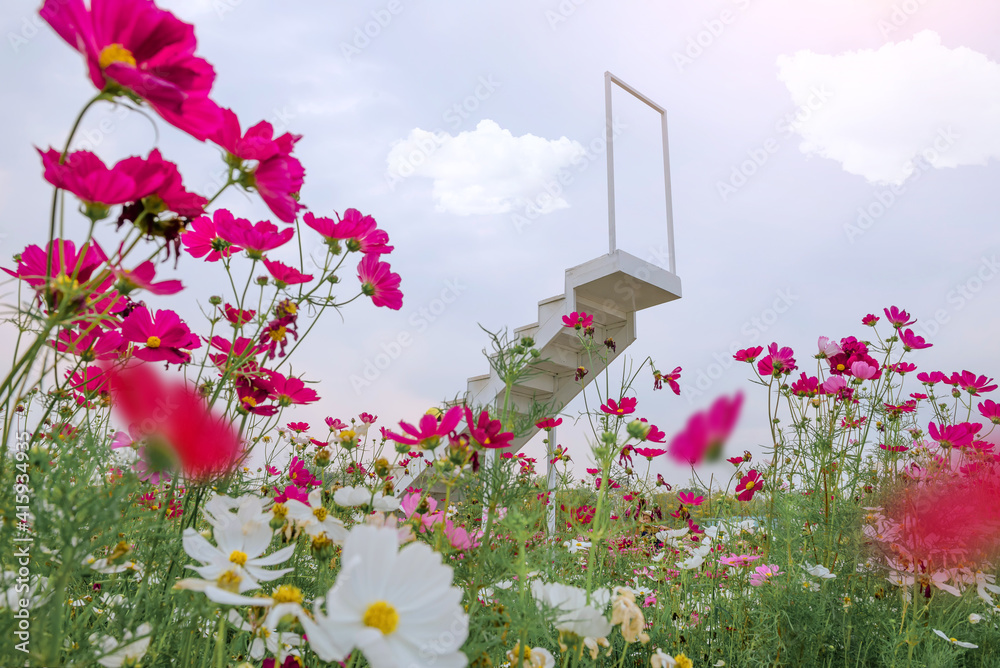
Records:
x=159, y=337
x=202, y=237
x=254, y=239
x=689, y=499
x=706, y=432
x=360, y=233
x=284, y=275
x=749, y=485
x=141, y=278
x=669, y=378
x=486, y=432
x=871, y=320
x=288, y=391
x=748, y=354
x=66, y=264
x=912, y=342
x=86, y=176
x=379, y=283
x=990, y=410
x=972, y=383
x=777, y=362
x=625, y=407
x=277, y=176
x=135, y=48
x=955, y=435
x=578, y=320
x=898, y=317
x=429, y=431
x=549, y=423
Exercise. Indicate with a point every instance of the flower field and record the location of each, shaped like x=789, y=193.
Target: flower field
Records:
x=162, y=504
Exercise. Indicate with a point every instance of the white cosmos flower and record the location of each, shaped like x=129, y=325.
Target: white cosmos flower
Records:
x=315, y=519
x=819, y=571
x=531, y=657
x=20, y=590
x=959, y=643
x=236, y=564
x=266, y=638
x=671, y=534
x=575, y=546
x=249, y=511
x=575, y=615
x=113, y=654
x=397, y=606
x=661, y=660
x=362, y=496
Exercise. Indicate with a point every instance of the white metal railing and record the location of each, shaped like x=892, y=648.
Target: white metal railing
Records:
x=610, y=78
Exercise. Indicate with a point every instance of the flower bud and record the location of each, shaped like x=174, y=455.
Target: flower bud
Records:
x=215, y=300
x=639, y=429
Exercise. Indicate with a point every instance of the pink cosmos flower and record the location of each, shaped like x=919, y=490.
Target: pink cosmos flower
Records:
x=806, y=386
x=706, y=432
x=973, y=384
x=912, y=342
x=990, y=410
x=893, y=448
x=749, y=485
x=739, y=560
x=367, y=418
x=32, y=266
x=360, y=233
x=625, y=407
x=86, y=176
x=748, y=354
x=334, y=424
x=288, y=391
x=277, y=176
x=98, y=345
x=486, y=432
x=548, y=423
x=292, y=493
x=284, y=275
x=89, y=382
x=459, y=537
x=689, y=499
x=897, y=317
x=578, y=320
x=136, y=46
x=777, y=362
x=932, y=378
x=870, y=320
x=141, y=278
x=429, y=431
x=763, y=574
x=379, y=283
x=670, y=378
x=954, y=436
x=254, y=239
x=863, y=370
x=649, y=453
x=241, y=351
x=202, y=238
x=828, y=348
x=411, y=502
x=301, y=476
x=236, y=316
x=834, y=384
x=161, y=337
x=902, y=368
x=654, y=435
x=203, y=441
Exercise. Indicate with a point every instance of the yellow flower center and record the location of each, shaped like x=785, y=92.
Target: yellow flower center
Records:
x=250, y=401
x=277, y=334
x=841, y=367
x=683, y=661
x=953, y=639
x=153, y=342
x=320, y=513
x=749, y=485
x=287, y=594
x=347, y=435
x=279, y=510
x=230, y=581
x=382, y=616
x=238, y=558
x=115, y=53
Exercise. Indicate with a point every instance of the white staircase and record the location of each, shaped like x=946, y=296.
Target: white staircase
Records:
x=612, y=288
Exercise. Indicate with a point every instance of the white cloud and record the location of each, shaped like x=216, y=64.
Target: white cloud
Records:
x=889, y=107
x=487, y=170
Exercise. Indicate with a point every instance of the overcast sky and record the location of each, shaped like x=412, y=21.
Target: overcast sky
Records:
x=828, y=158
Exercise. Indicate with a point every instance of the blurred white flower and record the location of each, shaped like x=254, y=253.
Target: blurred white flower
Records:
x=113, y=654
x=314, y=519
x=953, y=641
x=574, y=613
